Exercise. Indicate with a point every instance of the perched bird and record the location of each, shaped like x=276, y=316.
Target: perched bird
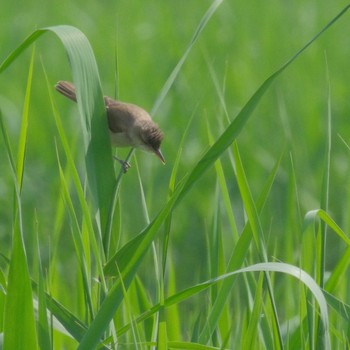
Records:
x=129, y=125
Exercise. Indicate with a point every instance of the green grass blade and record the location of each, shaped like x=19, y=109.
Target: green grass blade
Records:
x=321, y=246
x=249, y=205
x=205, y=19
x=18, y=51
x=172, y=185
x=339, y=272
x=237, y=258
x=258, y=234
x=24, y=126
x=311, y=217
x=287, y=269
x=340, y=307
x=19, y=298
x=92, y=111
x=44, y=331
x=325, y=183
x=77, y=238
x=96, y=245
x=127, y=260
x=225, y=193
x=251, y=335
x=310, y=284
x=173, y=313
x=70, y=322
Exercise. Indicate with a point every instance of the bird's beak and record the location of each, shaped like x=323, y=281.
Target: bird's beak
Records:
x=159, y=154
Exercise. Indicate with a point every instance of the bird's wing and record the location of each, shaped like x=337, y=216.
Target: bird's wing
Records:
x=123, y=116
x=119, y=119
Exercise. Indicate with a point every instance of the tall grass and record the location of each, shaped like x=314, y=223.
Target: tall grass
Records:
x=123, y=294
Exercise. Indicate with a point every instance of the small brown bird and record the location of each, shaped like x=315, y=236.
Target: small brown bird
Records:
x=129, y=125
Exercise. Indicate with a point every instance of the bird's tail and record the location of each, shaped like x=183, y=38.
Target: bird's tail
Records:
x=67, y=89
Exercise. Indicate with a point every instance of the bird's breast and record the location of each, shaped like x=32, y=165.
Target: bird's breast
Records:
x=121, y=139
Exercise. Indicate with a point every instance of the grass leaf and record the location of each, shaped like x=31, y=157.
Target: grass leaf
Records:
x=92, y=111
x=205, y=19
x=19, y=298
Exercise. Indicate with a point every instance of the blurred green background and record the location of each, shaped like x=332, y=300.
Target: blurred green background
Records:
x=137, y=44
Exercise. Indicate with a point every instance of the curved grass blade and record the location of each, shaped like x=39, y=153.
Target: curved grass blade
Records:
x=92, y=111
x=287, y=269
x=312, y=215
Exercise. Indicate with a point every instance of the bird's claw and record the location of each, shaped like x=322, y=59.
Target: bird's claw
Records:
x=125, y=165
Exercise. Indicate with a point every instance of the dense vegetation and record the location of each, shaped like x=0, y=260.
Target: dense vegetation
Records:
x=197, y=253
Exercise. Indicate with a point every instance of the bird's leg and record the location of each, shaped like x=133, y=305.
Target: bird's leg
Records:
x=125, y=165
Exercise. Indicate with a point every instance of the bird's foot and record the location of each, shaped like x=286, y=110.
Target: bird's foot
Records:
x=125, y=165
